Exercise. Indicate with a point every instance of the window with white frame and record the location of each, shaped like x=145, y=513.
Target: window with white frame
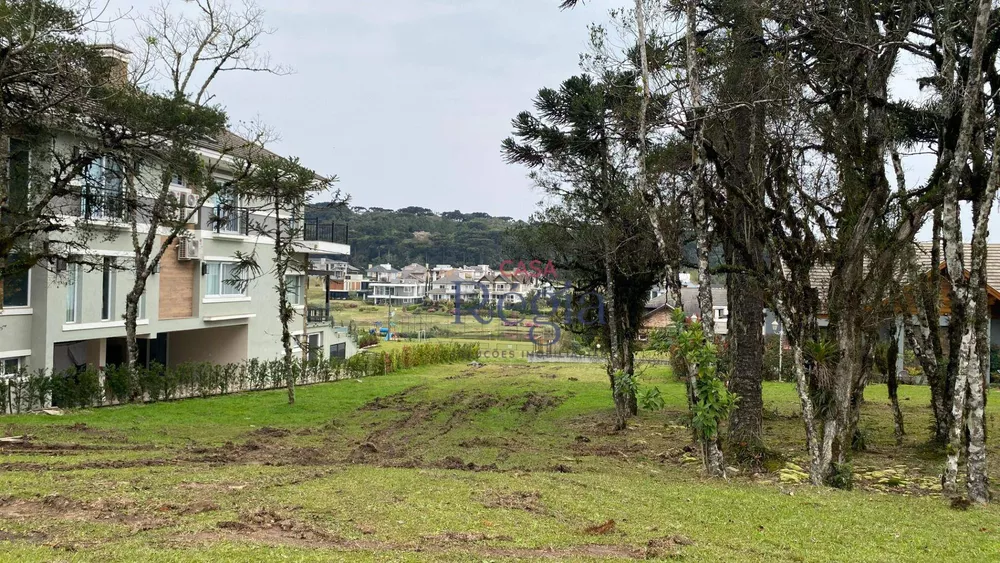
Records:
x=295, y=285
x=220, y=278
x=9, y=367
x=74, y=273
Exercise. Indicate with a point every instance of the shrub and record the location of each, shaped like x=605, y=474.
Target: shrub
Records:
x=772, y=361
x=118, y=384
x=368, y=340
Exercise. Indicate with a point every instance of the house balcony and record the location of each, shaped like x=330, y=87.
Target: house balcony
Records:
x=317, y=315
x=104, y=206
x=324, y=238
x=231, y=221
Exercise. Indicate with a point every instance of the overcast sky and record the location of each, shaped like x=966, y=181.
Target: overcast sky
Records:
x=406, y=101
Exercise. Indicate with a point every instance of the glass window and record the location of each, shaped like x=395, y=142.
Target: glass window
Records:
x=227, y=214
x=315, y=346
x=72, y=293
x=295, y=285
x=219, y=280
x=103, y=189
x=18, y=175
x=338, y=350
x=108, y=289
x=10, y=367
x=15, y=290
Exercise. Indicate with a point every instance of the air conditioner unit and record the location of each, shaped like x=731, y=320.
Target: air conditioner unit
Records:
x=191, y=201
x=188, y=249
x=180, y=201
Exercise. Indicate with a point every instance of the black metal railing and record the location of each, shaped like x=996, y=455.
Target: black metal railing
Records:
x=104, y=206
x=313, y=229
x=231, y=220
x=317, y=315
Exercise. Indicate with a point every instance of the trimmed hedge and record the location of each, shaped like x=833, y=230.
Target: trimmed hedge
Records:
x=115, y=385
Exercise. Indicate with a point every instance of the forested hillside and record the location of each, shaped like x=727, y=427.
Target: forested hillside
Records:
x=417, y=234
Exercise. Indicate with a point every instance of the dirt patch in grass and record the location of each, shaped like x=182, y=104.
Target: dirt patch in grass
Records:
x=529, y=501
x=271, y=432
x=485, y=442
x=473, y=544
x=52, y=449
x=463, y=537
x=108, y=464
x=264, y=523
x=199, y=507
x=84, y=428
x=465, y=374
x=666, y=547
x=61, y=508
x=223, y=487
x=394, y=401
x=623, y=450
x=268, y=453
x=537, y=402
x=456, y=463
x=33, y=536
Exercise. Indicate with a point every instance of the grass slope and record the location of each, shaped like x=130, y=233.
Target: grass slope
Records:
x=502, y=462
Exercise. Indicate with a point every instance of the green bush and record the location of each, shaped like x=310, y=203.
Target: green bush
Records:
x=28, y=391
x=367, y=340
x=772, y=361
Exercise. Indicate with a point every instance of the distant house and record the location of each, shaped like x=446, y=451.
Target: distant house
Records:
x=455, y=285
x=660, y=310
x=382, y=273
x=415, y=270
x=400, y=290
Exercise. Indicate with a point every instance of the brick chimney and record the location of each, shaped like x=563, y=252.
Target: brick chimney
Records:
x=117, y=60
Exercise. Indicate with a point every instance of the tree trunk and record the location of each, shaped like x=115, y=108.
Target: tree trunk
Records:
x=132, y=316
x=969, y=292
x=616, y=372
x=282, y=257
x=746, y=349
x=131, y=341
x=739, y=139
x=892, y=382
x=714, y=462
x=808, y=413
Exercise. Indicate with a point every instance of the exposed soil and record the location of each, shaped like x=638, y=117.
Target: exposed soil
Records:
x=109, y=464
x=529, y=501
x=265, y=521
x=455, y=462
x=268, y=453
x=50, y=448
x=270, y=432
x=30, y=537
x=61, y=508
x=475, y=545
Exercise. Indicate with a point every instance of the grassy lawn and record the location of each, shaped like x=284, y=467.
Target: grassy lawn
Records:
x=502, y=462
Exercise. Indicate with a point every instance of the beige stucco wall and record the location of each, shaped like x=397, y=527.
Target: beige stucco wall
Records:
x=220, y=345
